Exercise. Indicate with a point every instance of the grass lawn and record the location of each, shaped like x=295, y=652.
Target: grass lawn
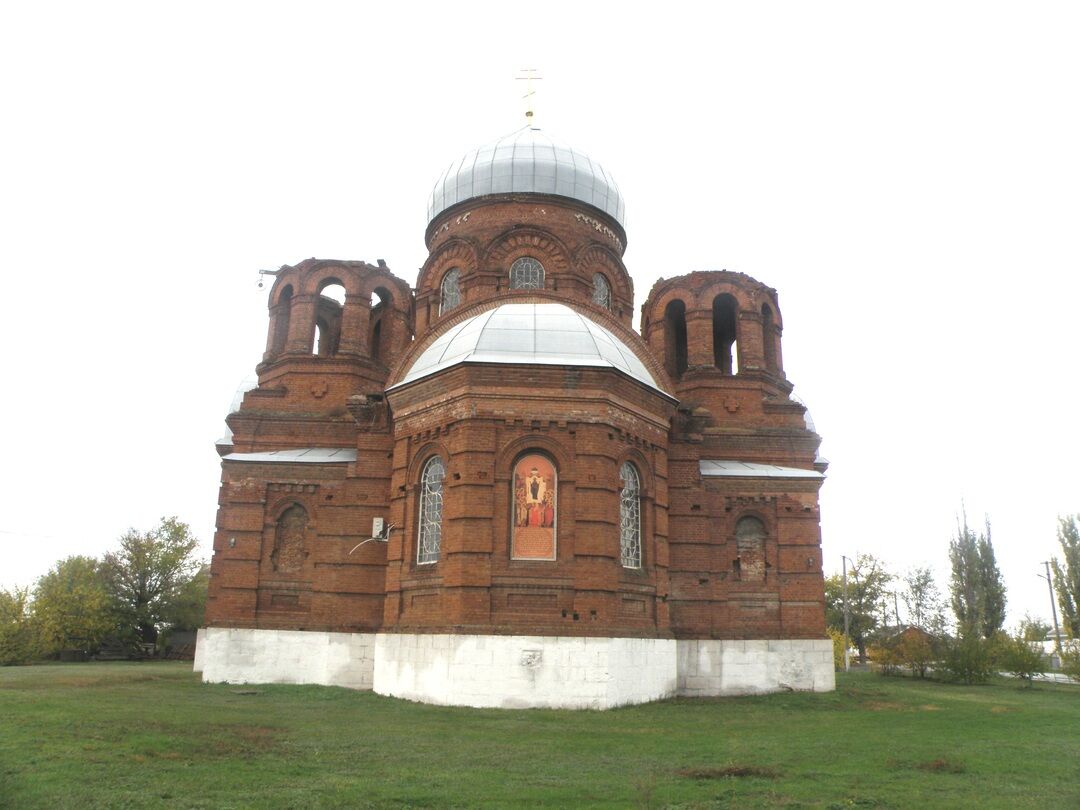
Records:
x=151, y=735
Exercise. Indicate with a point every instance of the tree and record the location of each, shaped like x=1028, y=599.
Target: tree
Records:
x=17, y=642
x=923, y=600
x=1033, y=628
x=978, y=590
x=188, y=609
x=867, y=580
x=147, y=576
x=1020, y=657
x=1067, y=573
x=71, y=605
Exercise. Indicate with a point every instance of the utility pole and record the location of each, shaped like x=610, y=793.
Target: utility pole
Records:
x=847, y=643
x=1053, y=607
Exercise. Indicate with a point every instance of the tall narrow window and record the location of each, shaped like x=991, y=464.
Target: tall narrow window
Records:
x=630, y=517
x=429, y=536
x=526, y=273
x=768, y=337
x=601, y=291
x=725, y=351
x=449, y=292
x=675, y=338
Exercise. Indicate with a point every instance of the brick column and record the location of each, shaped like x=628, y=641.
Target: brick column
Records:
x=748, y=335
x=355, y=319
x=301, y=324
x=699, y=348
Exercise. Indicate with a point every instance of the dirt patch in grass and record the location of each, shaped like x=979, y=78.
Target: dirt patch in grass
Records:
x=730, y=772
x=1000, y=709
x=883, y=706
x=942, y=765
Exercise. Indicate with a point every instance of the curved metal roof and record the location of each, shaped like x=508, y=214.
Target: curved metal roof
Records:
x=527, y=334
x=524, y=161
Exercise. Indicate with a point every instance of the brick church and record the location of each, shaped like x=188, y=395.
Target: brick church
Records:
x=490, y=490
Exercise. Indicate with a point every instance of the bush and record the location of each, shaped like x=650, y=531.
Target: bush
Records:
x=915, y=652
x=1020, y=657
x=839, y=643
x=968, y=658
x=1070, y=659
x=885, y=658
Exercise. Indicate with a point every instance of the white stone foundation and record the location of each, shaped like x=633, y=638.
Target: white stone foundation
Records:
x=709, y=667
x=286, y=656
x=515, y=671
x=518, y=672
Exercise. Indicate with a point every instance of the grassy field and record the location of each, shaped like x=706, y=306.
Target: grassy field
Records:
x=151, y=735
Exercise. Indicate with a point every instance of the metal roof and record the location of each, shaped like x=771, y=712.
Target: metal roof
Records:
x=712, y=468
x=529, y=334
x=528, y=160
x=301, y=455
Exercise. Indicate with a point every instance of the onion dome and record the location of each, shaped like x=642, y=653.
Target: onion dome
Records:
x=527, y=161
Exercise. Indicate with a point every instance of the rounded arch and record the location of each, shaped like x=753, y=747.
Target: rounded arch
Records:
x=596, y=258
x=510, y=453
x=456, y=252
x=630, y=522
x=450, y=290
x=320, y=276
x=519, y=242
x=534, y=507
x=527, y=273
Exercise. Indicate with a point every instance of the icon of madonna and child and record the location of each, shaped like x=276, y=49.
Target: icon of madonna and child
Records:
x=534, y=509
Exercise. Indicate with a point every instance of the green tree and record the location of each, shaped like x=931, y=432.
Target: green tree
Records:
x=977, y=588
x=1033, y=628
x=17, y=632
x=923, y=600
x=188, y=610
x=1067, y=574
x=1020, y=657
x=867, y=581
x=148, y=575
x=71, y=605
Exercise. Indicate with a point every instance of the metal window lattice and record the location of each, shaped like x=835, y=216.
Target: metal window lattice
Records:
x=601, y=291
x=526, y=274
x=429, y=538
x=630, y=517
x=450, y=293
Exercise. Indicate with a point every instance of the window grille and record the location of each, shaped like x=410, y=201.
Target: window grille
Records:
x=450, y=294
x=601, y=291
x=429, y=535
x=526, y=273
x=630, y=517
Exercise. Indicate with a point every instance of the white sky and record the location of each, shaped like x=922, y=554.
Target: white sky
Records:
x=906, y=175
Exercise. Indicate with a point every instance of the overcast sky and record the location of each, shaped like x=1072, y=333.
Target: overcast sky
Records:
x=906, y=175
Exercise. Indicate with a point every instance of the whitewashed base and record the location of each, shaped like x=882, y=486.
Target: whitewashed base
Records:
x=286, y=656
x=515, y=671
x=709, y=667
x=518, y=672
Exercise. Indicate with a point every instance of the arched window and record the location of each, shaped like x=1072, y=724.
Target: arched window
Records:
x=675, y=338
x=750, y=537
x=768, y=337
x=328, y=309
x=725, y=350
x=630, y=517
x=526, y=273
x=429, y=535
x=601, y=291
x=449, y=291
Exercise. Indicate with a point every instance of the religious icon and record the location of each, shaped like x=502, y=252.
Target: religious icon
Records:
x=534, y=502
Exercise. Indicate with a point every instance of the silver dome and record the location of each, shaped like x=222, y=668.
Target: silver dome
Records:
x=527, y=160
x=529, y=334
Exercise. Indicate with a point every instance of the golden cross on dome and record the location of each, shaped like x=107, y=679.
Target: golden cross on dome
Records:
x=529, y=92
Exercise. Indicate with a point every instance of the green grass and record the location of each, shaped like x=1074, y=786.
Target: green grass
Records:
x=152, y=735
